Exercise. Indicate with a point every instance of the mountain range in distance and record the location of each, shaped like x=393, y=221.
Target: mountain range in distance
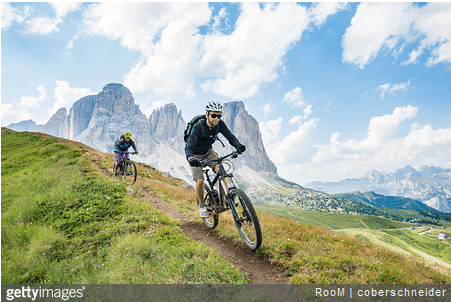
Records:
x=430, y=185
x=98, y=120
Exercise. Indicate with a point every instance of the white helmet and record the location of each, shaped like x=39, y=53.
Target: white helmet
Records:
x=214, y=106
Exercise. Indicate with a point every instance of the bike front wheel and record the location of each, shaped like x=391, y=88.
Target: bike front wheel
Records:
x=247, y=223
x=130, y=173
x=117, y=174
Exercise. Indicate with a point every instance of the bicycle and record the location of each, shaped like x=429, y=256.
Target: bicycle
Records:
x=235, y=200
x=125, y=168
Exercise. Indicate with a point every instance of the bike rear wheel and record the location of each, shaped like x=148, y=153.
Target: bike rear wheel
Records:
x=130, y=173
x=212, y=221
x=247, y=224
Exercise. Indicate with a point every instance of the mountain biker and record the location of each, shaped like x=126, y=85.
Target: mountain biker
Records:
x=122, y=145
x=199, y=147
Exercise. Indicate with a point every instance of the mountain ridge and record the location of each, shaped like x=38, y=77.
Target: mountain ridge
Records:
x=381, y=201
x=430, y=185
x=98, y=120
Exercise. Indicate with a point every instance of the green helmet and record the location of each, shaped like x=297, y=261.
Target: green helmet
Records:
x=127, y=134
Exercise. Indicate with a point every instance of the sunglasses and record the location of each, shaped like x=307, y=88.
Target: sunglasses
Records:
x=215, y=115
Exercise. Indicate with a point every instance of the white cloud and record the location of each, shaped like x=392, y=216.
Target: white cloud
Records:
x=400, y=86
x=166, y=34
x=8, y=109
x=218, y=19
x=295, y=146
x=242, y=61
x=382, y=149
x=66, y=95
x=42, y=26
x=307, y=111
x=19, y=109
x=11, y=14
x=381, y=128
x=295, y=119
x=298, y=118
x=384, y=88
x=46, y=25
x=319, y=11
x=32, y=101
x=392, y=88
x=267, y=109
x=229, y=61
x=63, y=8
x=295, y=98
x=270, y=130
x=377, y=26
x=425, y=136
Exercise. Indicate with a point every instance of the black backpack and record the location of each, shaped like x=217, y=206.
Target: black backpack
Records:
x=189, y=127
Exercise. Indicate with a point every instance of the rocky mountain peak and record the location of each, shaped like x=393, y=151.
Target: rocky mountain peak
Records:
x=116, y=98
x=407, y=171
x=166, y=122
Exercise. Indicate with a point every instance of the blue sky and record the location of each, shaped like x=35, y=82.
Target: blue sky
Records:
x=338, y=89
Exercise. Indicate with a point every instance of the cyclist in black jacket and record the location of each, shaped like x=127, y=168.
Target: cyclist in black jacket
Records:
x=122, y=145
x=199, y=146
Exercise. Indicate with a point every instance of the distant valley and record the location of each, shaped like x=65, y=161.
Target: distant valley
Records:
x=430, y=185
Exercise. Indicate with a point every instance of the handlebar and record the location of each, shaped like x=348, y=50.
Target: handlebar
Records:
x=205, y=162
x=124, y=152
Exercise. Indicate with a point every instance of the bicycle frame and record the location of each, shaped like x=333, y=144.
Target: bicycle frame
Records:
x=246, y=222
x=123, y=159
x=220, y=176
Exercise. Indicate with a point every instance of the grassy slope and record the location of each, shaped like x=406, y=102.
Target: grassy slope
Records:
x=375, y=229
x=335, y=221
x=51, y=228
x=64, y=223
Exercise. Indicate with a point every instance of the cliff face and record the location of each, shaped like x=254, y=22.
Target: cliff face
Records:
x=167, y=126
x=98, y=120
x=246, y=129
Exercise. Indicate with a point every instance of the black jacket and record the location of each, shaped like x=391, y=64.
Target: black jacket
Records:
x=202, y=137
x=122, y=145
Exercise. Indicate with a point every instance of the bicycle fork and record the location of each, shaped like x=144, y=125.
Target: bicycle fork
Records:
x=231, y=203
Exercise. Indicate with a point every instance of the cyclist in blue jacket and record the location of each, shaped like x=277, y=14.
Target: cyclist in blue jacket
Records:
x=122, y=145
x=199, y=146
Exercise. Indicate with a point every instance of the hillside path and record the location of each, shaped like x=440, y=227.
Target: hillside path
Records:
x=258, y=268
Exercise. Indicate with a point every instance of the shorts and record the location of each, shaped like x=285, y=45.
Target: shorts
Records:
x=118, y=156
x=197, y=171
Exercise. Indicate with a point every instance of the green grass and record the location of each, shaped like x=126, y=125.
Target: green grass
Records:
x=63, y=223
x=334, y=221
x=408, y=241
x=430, y=245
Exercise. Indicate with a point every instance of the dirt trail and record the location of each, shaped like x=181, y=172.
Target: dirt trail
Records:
x=259, y=269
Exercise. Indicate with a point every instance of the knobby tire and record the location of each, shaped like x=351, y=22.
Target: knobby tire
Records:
x=130, y=179
x=249, y=226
